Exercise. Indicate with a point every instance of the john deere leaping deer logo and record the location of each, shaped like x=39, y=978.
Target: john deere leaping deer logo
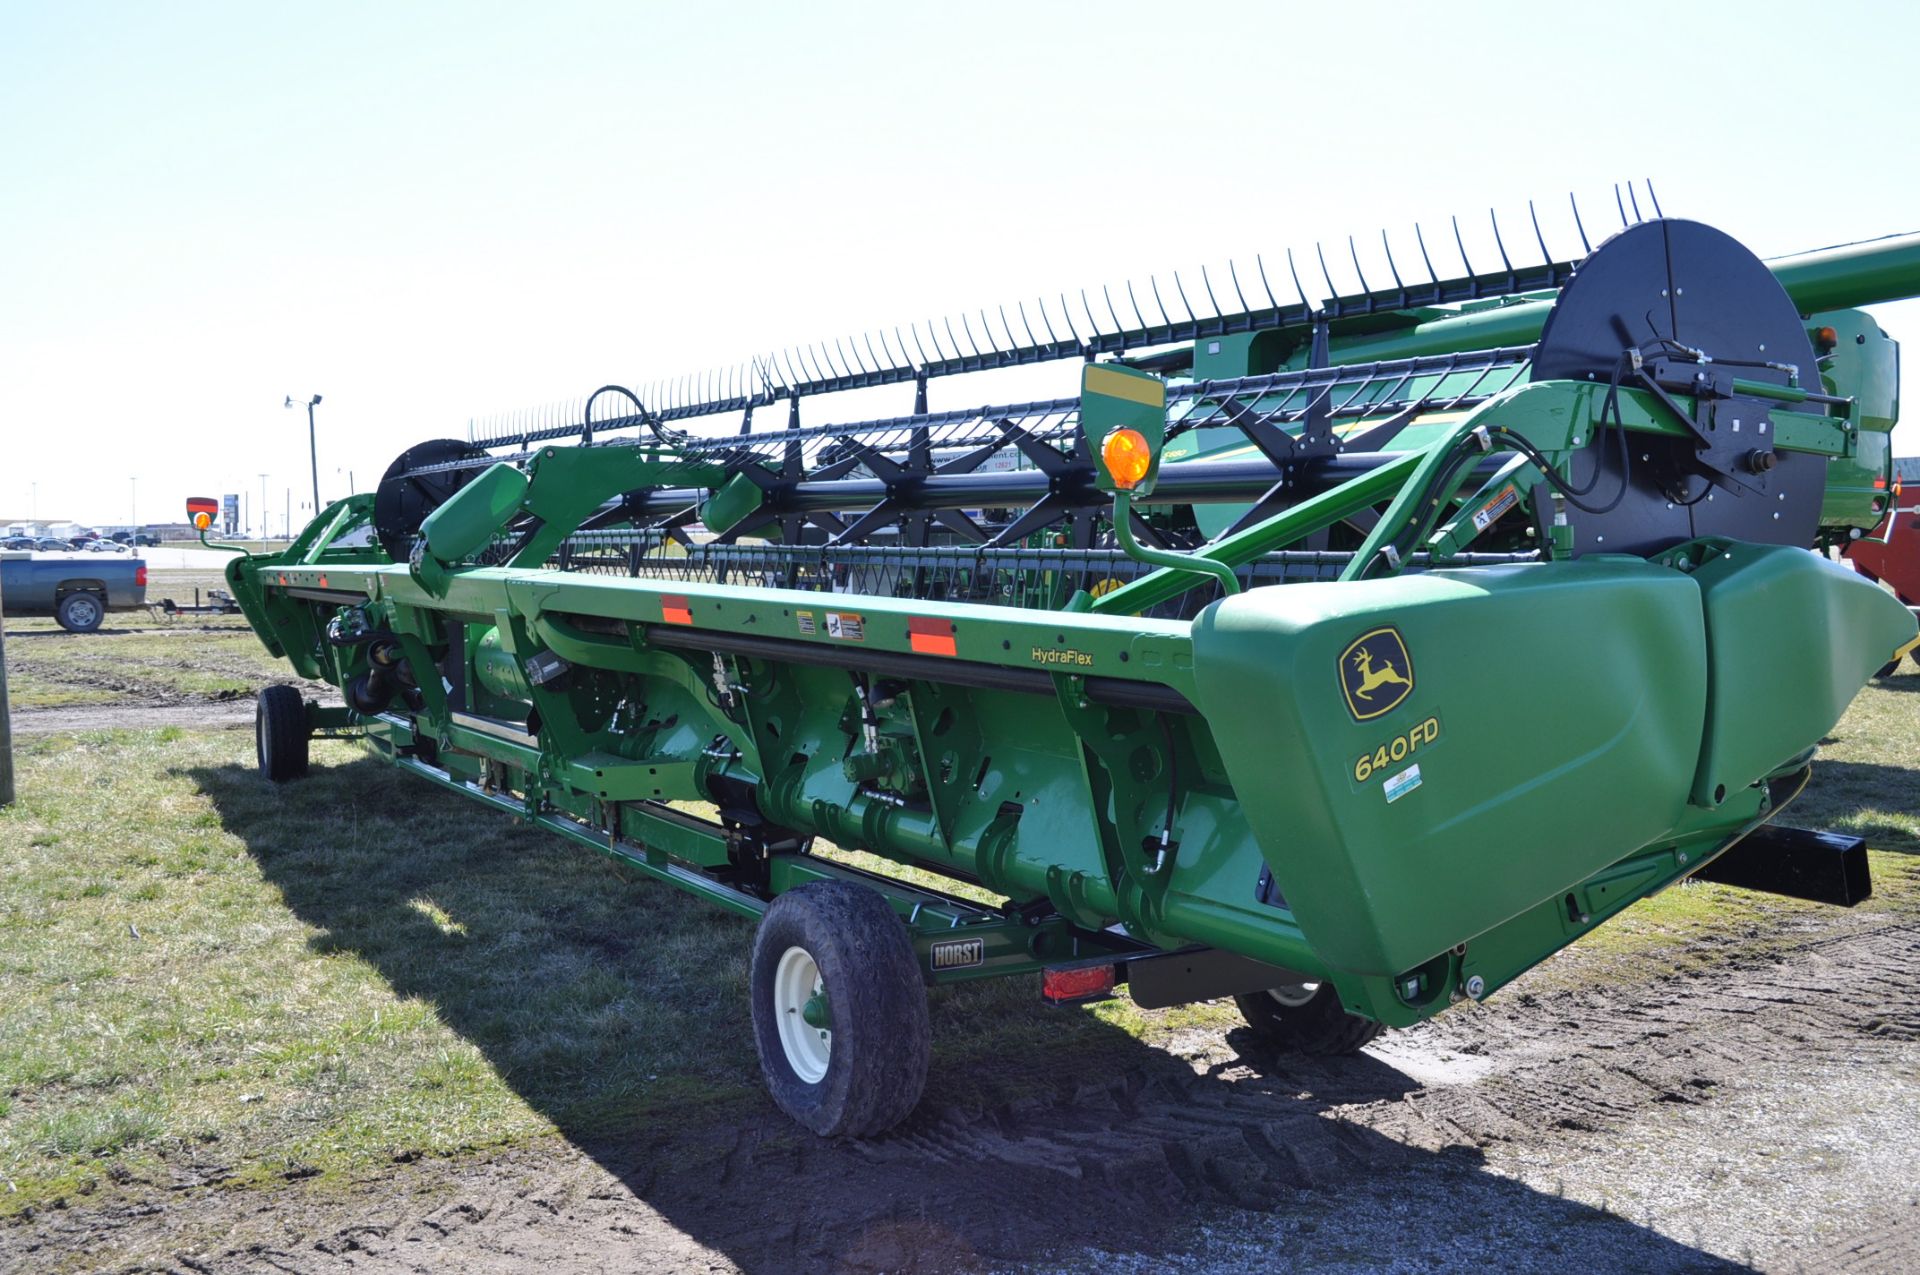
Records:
x=1376, y=673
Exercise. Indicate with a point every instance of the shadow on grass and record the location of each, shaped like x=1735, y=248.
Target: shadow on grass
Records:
x=1864, y=799
x=617, y=1009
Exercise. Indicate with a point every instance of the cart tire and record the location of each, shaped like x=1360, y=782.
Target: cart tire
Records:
x=1307, y=1019
x=864, y=1071
x=81, y=612
x=280, y=733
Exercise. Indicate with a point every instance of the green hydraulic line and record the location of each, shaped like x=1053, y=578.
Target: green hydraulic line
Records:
x=1244, y=546
x=1123, y=532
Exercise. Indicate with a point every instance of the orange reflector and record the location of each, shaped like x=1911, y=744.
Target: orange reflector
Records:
x=1061, y=986
x=323, y=582
x=203, y=520
x=1127, y=457
x=931, y=637
x=675, y=610
x=1826, y=336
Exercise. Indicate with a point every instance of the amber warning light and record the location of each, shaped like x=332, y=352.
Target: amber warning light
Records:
x=200, y=511
x=1127, y=457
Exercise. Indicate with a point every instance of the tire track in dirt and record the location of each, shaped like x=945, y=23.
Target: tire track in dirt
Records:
x=1127, y=1161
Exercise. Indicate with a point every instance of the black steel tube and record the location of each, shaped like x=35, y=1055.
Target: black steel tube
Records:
x=1195, y=482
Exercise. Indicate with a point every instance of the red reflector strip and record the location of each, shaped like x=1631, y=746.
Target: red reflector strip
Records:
x=323, y=582
x=928, y=636
x=675, y=610
x=283, y=580
x=1077, y=985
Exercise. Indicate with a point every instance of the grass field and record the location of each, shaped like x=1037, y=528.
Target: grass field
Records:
x=204, y=978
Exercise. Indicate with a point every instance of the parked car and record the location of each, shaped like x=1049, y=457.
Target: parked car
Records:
x=76, y=592
x=19, y=542
x=47, y=544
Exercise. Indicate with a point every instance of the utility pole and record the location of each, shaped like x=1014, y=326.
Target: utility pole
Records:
x=263, y=507
x=133, y=501
x=313, y=452
x=6, y=722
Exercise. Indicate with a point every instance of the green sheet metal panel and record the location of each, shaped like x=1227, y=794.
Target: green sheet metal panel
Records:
x=1424, y=758
x=1791, y=638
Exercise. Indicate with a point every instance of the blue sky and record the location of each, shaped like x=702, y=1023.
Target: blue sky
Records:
x=431, y=212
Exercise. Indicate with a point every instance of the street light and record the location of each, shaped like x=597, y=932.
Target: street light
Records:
x=263, y=507
x=133, y=500
x=313, y=454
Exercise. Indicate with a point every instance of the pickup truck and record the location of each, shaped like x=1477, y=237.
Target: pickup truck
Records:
x=76, y=589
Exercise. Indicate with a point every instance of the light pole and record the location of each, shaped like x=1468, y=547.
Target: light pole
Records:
x=313, y=454
x=133, y=501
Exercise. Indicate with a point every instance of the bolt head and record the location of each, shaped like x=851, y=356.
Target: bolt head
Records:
x=1476, y=987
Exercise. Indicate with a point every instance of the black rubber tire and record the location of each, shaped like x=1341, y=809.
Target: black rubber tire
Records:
x=280, y=734
x=81, y=612
x=877, y=1009
x=1321, y=1026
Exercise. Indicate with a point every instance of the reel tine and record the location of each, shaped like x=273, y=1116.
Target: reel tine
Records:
x=1621, y=206
x=1135, y=303
x=1118, y=327
x=843, y=352
x=1498, y=242
x=1421, y=238
x=1461, y=244
x=889, y=364
x=1635, y=201
x=1655, y=198
x=1318, y=251
x=1353, y=251
x=916, y=344
x=1185, y=304
x=1013, y=342
x=793, y=382
x=1295, y=272
x=1233, y=274
x=968, y=330
x=1066, y=316
x=1586, y=248
x=811, y=356
x=940, y=349
x=1393, y=267
x=1153, y=282
x=1539, y=238
x=1261, y=265
x=1032, y=340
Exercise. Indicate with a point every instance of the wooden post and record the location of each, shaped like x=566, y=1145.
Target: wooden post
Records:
x=6, y=723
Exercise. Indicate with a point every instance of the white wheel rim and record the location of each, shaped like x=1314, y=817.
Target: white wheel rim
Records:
x=84, y=612
x=796, y=980
x=1294, y=995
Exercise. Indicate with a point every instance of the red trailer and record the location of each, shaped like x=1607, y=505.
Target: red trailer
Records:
x=1891, y=555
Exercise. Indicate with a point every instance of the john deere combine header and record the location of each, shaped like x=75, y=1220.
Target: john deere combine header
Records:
x=1348, y=655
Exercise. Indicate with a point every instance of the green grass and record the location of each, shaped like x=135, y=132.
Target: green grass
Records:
x=197, y=967
x=199, y=970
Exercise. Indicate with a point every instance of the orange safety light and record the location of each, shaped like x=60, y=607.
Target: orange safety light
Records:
x=1127, y=457
x=1826, y=336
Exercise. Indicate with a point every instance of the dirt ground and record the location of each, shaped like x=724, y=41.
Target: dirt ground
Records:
x=1748, y=1098
x=1757, y=1113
